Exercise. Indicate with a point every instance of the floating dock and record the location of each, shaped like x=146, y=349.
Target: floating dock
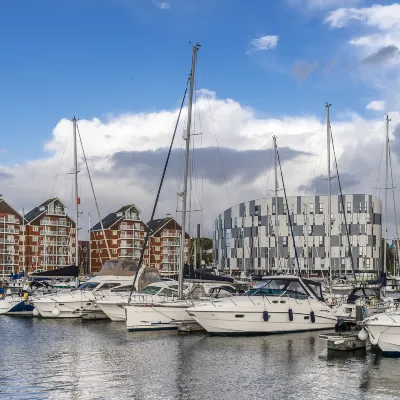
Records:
x=343, y=341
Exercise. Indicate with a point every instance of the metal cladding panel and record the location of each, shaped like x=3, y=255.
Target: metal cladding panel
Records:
x=319, y=230
x=357, y=198
x=241, y=210
x=299, y=205
x=335, y=241
x=377, y=219
x=316, y=205
x=280, y=206
x=252, y=205
x=247, y=232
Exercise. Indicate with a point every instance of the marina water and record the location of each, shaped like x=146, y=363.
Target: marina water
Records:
x=74, y=359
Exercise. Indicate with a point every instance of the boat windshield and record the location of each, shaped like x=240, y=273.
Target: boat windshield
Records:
x=88, y=286
x=279, y=287
x=151, y=289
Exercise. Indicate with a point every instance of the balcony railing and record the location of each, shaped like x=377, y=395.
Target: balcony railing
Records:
x=8, y=230
x=8, y=221
x=7, y=241
x=53, y=233
x=55, y=223
x=170, y=243
x=171, y=234
x=127, y=236
x=52, y=211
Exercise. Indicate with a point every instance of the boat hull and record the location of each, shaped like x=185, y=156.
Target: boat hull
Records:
x=156, y=317
x=113, y=310
x=385, y=334
x=257, y=315
x=67, y=309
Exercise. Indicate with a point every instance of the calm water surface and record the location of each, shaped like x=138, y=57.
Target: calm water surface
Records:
x=73, y=359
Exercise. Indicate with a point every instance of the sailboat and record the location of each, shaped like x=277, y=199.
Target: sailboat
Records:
x=168, y=313
x=283, y=303
x=383, y=329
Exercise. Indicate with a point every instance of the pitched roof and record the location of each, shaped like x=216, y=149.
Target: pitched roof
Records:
x=108, y=221
x=49, y=201
x=156, y=224
x=127, y=207
x=31, y=215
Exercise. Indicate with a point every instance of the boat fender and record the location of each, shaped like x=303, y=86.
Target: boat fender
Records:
x=374, y=340
x=363, y=334
x=265, y=315
x=56, y=312
x=26, y=295
x=290, y=314
x=312, y=317
x=35, y=312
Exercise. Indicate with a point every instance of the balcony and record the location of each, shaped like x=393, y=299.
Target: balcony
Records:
x=56, y=211
x=171, y=252
x=171, y=243
x=47, y=232
x=4, y=220
x=7, y=251
x=129, y=246
x=7, y=241
x=54, y=223
x=171, y=234
x=129, y=236
x=8, y=230
x=125, y=227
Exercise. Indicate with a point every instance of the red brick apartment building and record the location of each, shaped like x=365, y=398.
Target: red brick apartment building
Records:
x=11, y=240
x=41, y=241
x=125, y=231
x=49, y=237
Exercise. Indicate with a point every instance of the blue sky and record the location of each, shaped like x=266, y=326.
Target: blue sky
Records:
x=99, y=57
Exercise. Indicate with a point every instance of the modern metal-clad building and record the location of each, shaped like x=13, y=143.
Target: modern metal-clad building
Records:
x=245, y=235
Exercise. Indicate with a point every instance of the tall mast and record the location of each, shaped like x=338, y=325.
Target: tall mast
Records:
x=276, y=205
x=328, y=149
x=76, y=197
x=23, y=244
x=90, y=246
x=386, y=189
x=395, y=215
x=186, y=171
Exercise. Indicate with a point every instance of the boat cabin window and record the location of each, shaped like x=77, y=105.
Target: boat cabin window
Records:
x=151, y=289
x=279, y=287
x=107, y=285
x=89, y=286
x=122, y=289
x=168, y=292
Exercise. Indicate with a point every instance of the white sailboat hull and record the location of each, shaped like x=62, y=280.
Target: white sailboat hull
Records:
x=157, y=316
x=248, y=316
x=7, y=303
x=112, y=309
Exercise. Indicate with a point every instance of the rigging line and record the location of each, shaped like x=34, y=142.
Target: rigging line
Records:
x=59, y=167
x=376, y=189
x=288, y=213
x=158, y=195
x=94, y=194
x=343, y=206
x=219, y=152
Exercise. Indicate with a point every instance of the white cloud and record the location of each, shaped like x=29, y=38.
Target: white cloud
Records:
x=237, y=127
x=325, y=4
x=165, y=5
x=382, y=17
x=261, y=43
x=376, y=105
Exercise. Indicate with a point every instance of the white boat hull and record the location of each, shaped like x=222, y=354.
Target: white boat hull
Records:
x=247, y=316
x=67, y=309
x=384, y=331
x=156, y=317
x=113, y=310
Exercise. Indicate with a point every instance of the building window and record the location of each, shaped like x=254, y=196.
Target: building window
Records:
x=303, y=230
x=349, y=206
x=342, y=262
x=368, y=218
x=360, y=252
x=284, y=241
x=34, y=238
x=311, y=208
x=295, y=218
x=100, y=242
x=284, y=209
x=321, y=208
x=340, y=207
x=114, y=242
x=115, y=233
x=235, y=222
x=367, y=263
x=358, y=218
x=321, y=240
x=114, y=251
x=22, y=228
x=35, y=229
x=35, y=249
x=157, y=257
x=273, y=209
x=292, y=209
x=157, y=248
x=309, y=230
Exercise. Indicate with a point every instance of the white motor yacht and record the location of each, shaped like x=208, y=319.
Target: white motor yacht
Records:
x=383, y=330
x=277, y=304
x=81, y=301
x=155, y=312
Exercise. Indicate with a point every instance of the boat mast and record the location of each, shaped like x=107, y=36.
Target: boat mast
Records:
x=328, y=149
x=90, y=246
x=386, y=188
x=186, y=171
x=76, y=198
x=395, y=216
x=276, y=205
